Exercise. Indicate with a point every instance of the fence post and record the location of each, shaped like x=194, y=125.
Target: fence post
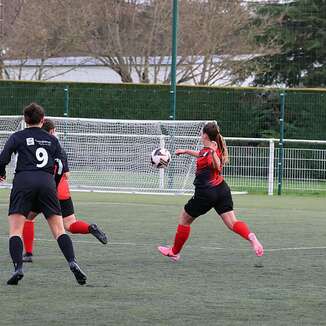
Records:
x=173, y=89
x=271, y=168
x=281, y=144
x=66, y=101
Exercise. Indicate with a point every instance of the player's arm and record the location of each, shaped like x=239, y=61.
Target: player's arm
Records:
x=58, y=163
x=5, y=156
x=187, y=152
x=65, y=163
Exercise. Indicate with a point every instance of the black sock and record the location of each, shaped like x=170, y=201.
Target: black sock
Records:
x=66, y=247
x=16, y=251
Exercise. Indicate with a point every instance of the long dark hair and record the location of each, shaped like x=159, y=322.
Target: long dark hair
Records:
x=212, y=130
x=48, y=125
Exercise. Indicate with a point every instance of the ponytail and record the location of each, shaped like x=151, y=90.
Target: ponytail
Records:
x=213, y=132
x=223, y=148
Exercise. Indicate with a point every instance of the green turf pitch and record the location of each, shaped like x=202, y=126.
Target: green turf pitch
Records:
x=215, y=282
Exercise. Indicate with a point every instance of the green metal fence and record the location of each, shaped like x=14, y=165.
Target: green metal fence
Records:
x=241, y=112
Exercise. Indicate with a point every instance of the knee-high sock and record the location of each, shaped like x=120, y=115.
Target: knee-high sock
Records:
x=181, y=236
x=16, y=251
x=28, y=236
x=66, y=247
x=242, y=229
x=80, y=227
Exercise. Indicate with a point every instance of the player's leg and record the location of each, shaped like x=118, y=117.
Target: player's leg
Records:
x=16, y=225
x=180, y=238
x=28, y=237
x=49, y=205
x=75, y=226
x=241, y=228
x=66, y=246
x=224, y=207
x=21, y=199
x=196, y=206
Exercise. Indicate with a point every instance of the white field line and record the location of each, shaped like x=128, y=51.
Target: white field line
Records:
x=133, y=244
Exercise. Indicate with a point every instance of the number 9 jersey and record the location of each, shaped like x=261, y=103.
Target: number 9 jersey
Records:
x=34, y=184
x=37, y=151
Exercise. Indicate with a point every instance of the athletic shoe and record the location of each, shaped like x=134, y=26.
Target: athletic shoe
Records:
x=79, y=274
x=167, y=251
x=28, y=257
x=16, y=277
x=98, y=233
x=256, y=245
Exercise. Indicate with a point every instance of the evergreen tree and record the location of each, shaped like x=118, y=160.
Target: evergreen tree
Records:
x=300, y=31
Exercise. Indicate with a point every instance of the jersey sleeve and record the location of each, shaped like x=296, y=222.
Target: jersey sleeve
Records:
x=5, y=156
x=58, y=163
x=65, y=161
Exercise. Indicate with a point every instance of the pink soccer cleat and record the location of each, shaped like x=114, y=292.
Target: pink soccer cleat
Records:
x=256, y=245
x=167, y=251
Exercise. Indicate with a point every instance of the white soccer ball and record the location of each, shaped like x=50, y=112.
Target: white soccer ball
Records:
x=160, y=158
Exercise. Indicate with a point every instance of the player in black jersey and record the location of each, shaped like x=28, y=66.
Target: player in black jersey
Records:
x=34, y=186
x=70, y=222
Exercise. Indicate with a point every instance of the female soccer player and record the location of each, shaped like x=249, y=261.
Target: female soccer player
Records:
x=34, y=186
x=211, y=191
x=70, y=221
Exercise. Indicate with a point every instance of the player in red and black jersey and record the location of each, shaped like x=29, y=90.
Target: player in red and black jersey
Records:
x=34, y=186
x=211, y=191
x=70, y=221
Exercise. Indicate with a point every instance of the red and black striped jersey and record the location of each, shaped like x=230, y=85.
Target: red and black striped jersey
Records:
x=206, y=175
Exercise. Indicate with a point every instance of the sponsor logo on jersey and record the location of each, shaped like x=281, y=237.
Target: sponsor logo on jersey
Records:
x=43, y=142
x=30, y=141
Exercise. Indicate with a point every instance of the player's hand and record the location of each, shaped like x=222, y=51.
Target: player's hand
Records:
x=213, y=146
x=180, y=151
x=2, y=179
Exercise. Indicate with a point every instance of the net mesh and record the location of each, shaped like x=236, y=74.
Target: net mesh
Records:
x=111, y=155
x=114, y=155
x=8, y=125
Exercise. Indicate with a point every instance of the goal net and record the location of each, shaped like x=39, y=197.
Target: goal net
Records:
x=114, y=155
x=8, y=125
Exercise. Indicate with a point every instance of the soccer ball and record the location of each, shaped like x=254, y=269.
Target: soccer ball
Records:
x=160, y=158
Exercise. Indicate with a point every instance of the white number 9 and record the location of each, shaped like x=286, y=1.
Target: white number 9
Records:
x=42, y=157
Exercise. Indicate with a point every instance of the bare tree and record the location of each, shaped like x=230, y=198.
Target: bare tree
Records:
x=134, y=37
x=41, y=31
x=216, y=39
x=126, y=35
x=9, y=11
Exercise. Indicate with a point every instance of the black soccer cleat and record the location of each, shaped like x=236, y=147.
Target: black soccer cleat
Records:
x=27, y=257
x=79, y=274
x=16, y=277
x=98, y=233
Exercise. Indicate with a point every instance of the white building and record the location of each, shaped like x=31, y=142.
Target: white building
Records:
x=87, y=69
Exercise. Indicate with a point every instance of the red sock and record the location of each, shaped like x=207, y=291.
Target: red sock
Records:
x=181, y=236
x=28, y=236
x=79, y=227
x=241, y=228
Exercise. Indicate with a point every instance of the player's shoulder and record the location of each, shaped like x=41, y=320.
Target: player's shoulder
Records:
x=35, y=134
x=204, y=151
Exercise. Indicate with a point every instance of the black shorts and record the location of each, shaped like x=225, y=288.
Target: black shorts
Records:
x=34, y=189
x=203, y=200
x=67, y=207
